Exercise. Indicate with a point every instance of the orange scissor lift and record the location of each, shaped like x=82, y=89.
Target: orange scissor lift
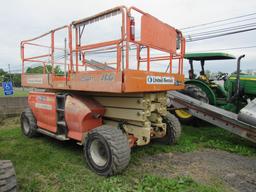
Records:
x=108, y=104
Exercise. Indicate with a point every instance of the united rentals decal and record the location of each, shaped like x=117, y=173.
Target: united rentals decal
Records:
x=160, y=80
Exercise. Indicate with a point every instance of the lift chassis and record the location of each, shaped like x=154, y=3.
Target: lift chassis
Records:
x=107, y=106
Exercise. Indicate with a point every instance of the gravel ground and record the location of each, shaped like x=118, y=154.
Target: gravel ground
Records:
x=236, y=172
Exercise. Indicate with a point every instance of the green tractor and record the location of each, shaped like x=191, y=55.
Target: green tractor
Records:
x=238, y=88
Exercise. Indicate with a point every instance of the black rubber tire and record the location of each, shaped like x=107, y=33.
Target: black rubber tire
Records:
x=173, y=130
x=27, y=119
x=196, y=93
x=8, y=181
x=116, y=146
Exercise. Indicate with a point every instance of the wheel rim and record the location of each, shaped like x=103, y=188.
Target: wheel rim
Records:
x=183, y=114
x=25, y=126
x=98, y=153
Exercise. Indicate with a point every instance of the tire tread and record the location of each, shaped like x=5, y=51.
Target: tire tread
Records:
x=27, y=113
x=8, y=181
x=119, y=147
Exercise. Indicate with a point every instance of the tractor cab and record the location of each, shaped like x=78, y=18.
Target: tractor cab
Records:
x=202, y=57
x=216, y=93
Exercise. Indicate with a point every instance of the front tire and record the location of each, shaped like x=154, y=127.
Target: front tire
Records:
x=28, y=123
x=106, y=150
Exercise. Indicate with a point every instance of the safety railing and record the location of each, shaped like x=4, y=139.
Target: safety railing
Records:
x=75, y=54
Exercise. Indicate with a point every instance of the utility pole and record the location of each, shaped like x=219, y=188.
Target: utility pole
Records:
x=9, y=67
x=9, y=72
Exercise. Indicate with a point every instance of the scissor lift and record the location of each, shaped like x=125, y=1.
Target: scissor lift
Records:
x=108, y=106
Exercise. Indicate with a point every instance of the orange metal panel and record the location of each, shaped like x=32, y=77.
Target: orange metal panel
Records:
x=157, y=34
x=82, y=115
x=106, y=81
x=97, y=81
x=143, y=81
x=43, y=106
x=36, y=80
x=60, y=78
x=103, y=81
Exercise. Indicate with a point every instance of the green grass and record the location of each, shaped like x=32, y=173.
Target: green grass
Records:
x=17, y=93
x=45, y=164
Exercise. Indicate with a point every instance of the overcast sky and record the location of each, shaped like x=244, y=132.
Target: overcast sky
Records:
x=23, y=19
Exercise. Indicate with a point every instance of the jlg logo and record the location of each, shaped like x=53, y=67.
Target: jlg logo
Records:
x=107, y=77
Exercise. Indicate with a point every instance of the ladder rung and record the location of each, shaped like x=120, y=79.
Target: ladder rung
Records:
x=59, y=109
x=61, y=96
x=62, y=123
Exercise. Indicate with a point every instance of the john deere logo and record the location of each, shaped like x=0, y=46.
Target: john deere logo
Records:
x=160, y=80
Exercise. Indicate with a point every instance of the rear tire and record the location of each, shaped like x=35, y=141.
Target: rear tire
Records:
x=107, y=150
x=196, y=93
x=8, y=181
x=28, y=123
x=173, y=130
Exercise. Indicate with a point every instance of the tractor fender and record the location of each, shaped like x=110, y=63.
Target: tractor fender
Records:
x=205, y=88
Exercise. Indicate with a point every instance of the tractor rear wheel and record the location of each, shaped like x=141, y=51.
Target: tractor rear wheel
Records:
x=8, y=181
x=195, y=92
x=106, y=150
x=28, y=123
x=173, y=130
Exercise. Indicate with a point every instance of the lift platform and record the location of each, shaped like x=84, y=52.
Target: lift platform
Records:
x=214, y=115
x=113, y=51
